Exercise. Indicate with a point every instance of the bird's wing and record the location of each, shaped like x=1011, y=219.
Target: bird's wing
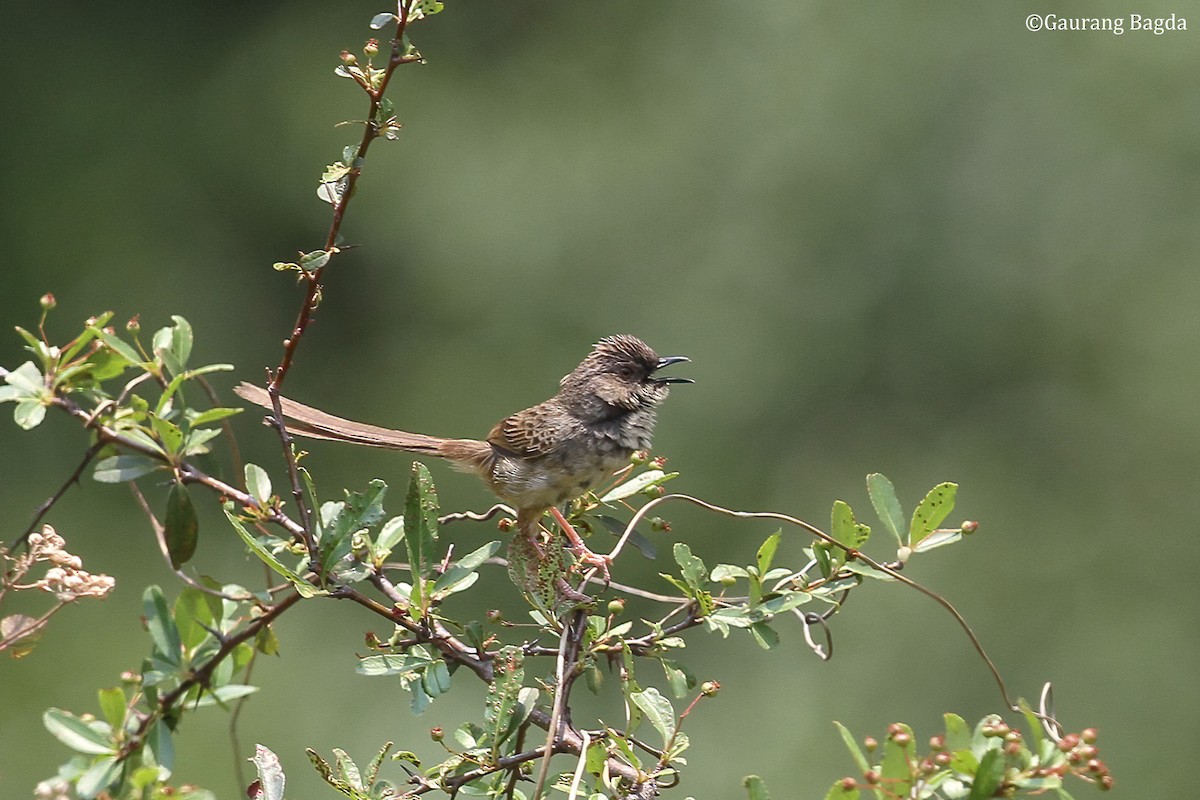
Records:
x=533, y=432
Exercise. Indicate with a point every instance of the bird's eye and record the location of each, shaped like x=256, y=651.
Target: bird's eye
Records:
x=625, y=371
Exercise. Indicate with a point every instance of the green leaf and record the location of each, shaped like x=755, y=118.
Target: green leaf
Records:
x=723, y=572
x=303, y=586
x=938, y=539
x=658, y=711
x=27, y=380
x=196, y=442
x=181, y=340
x=678, y=677
x=181, y=528
x=887, y=506
x=420, y=525
x=382, y=20
x=258, y=483
x=988, y=777
x=899, y=764
x=931, y=511
x=958, y=734
x=766, y=553
x=766, y=636
x=311, y=262
x=638, y=483
x=112, y=705
x=93, y=738
x=119, y=469
x=195, y=612
x=389, y=536
x=462, y=574
x=29, y=414
x=384, y=664
x=161, y=626
x=860, y=760
x=839, y=792
x=223, y=695
x=117, y=346
x=195, y=420
x=691, y=567
x=755, y=788
x=98, y=777
x=845, y=528
x=504, y=696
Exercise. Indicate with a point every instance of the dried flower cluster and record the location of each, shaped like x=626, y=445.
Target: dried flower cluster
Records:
x=67, y=579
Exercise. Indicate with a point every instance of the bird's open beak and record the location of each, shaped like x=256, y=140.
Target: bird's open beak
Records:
x=668, y=361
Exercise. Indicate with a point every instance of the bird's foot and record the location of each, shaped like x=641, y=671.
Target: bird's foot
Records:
x=580, y=549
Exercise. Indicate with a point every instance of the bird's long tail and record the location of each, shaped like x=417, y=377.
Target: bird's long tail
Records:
x=316, y=424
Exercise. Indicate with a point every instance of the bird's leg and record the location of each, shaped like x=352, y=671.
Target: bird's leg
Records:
x=581, y=550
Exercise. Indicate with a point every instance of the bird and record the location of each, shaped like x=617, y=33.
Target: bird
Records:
x=544, y=456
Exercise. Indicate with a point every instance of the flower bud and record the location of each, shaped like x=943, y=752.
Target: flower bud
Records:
x=48, y=302
x=616, y=606
x=437, y=734
x=371, y=48
x=348, y=58
x=1089, y=735
x=709, y=688
x=134, y=325
x=969, y=526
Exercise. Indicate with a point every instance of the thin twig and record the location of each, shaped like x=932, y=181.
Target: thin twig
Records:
x=49, y=503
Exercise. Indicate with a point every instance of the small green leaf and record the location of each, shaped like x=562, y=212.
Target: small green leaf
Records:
x=958, y=734
x=988, y=777
x=887, y=506
x=211, y=415
x=161, y=626
x=723, y=572
x=931, y=511
x=258, y=483
x=119, y=469
x=420, y=524
x=658, y=711
x=388, y=664
x=846, y=529
x=26, y=379
x=638, y=483
x=840, y=792
x=303, y=586
x=112, y=705
x=29, y=414
x=755, y=788
x=678, y=677
x=937, y=539
x=860, y=760
x=80, y=736
x=691, y=567
x=98, y=777
x=311, y=262
x=382, y=20
x=181, y=341
x=766, y=553
x=117, y=346
x=899, y=763
x=181, y=528
x=766, y=636
x=223, y=695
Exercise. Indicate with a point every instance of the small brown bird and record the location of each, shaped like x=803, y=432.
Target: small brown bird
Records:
x=539, y=458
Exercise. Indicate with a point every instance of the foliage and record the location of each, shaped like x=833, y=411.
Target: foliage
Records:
x=141, y=404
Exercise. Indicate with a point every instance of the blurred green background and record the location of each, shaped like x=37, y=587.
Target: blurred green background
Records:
x=916, y=240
